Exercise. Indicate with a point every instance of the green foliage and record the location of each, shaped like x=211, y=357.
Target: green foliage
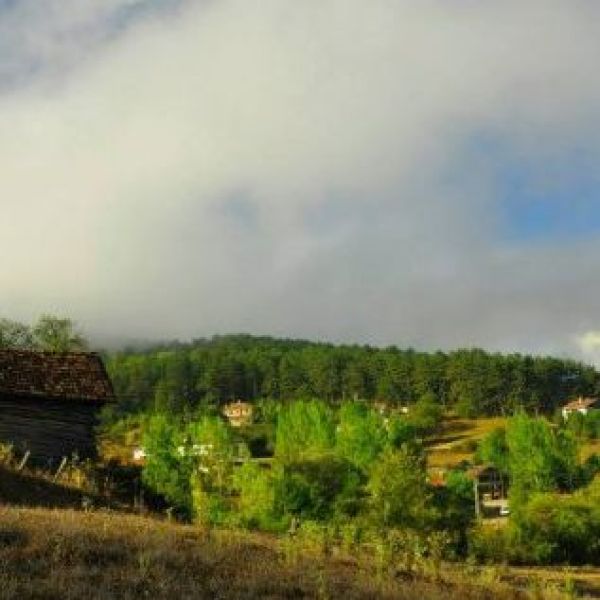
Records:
x=191, y=466
x=398, y=490
x=553, y=528
x=584, y=427
x=57, y=335
x=454, y=506
x=305, y=429
x=15, y=335
x=208, y=505
x=540, y=458
x=401, y=431
x=492, y=545
x=267, y=410
x=493, y=450
x=211, y=451
x=48, y=333
x=472, y=382
x=256, y=501
x=318, y=488
x=209, y=446
x=589, y=469
x=426, y=414
x=550, y=528
x=360, y=434
x=167, y=471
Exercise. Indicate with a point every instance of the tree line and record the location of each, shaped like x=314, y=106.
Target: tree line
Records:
x=179, y=377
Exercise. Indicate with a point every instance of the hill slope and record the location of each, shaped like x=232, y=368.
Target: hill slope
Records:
x=100, y=555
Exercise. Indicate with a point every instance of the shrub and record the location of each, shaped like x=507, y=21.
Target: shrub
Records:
x=549, y=529
x=559, y=529
x=398, y=488
x=167, y=471
x=315, y=489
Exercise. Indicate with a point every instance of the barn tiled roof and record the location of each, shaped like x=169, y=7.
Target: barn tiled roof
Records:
x=58, y=375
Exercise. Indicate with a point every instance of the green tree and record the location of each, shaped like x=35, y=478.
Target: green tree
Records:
x=316, y=488
x=256, y=489
x=559, y=529
x=15, y=335
x=168, y=469
x=305, y=429
x=209, y=443
x=540, y=459
x=360, y=435
x=455, y=507
x=57, y=335
x=493, y=450
x=401, y=431
x=426, y=414
x=398, y=490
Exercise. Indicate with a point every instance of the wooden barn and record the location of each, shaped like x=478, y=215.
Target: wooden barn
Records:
x=49, y=402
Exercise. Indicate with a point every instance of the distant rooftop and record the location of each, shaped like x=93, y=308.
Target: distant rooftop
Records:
x=581, y=403
x=54, y=375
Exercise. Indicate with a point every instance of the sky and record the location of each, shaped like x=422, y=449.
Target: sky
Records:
x=421, y=173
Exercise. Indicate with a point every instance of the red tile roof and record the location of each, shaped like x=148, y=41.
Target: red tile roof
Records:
x=237, y=409
x=581, y=403
x=64, y=376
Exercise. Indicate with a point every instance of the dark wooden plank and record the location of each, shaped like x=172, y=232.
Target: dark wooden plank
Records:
x=49, y=429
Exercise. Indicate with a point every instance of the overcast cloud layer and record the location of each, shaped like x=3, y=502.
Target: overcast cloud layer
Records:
x=333, y=169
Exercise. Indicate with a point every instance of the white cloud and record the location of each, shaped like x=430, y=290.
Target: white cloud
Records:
x=298, y=168
x=589, y=344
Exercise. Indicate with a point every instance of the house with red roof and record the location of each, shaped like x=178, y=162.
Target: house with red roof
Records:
x=580, y=405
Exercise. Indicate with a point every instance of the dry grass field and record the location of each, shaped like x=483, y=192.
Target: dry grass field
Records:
x=458, y=439
x=68, y=554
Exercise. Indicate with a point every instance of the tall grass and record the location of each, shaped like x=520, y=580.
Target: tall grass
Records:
x=103, y=555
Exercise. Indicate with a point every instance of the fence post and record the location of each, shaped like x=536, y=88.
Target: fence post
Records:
x=24, y=461
x=60, y=469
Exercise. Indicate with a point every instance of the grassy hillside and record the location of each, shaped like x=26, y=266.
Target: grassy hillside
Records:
x=458, y=439
x=103, y=555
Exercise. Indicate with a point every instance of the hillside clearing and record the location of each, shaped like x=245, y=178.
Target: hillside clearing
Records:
x=458, y=440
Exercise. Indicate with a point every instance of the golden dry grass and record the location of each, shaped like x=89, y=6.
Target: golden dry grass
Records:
x=457, y=440
x=67, y=554
x=589, y=448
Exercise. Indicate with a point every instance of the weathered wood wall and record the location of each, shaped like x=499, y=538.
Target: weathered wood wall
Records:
x=50, y=429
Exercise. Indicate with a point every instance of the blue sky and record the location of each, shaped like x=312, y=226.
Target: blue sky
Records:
x=556, y=202
x=548, y=217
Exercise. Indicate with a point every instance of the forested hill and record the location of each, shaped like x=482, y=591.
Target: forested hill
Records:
x=178, y=376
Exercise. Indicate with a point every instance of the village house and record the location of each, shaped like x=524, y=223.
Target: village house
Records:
x=580, y=405
x=49, y=402
x=238, y=413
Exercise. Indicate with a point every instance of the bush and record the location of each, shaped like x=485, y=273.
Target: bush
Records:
x=398, y=488
x=488, y=545
x=316, y=489
x=166, y=471
x=256, y=500
x=550, y=529
x=426, y=415
x=555, y=529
